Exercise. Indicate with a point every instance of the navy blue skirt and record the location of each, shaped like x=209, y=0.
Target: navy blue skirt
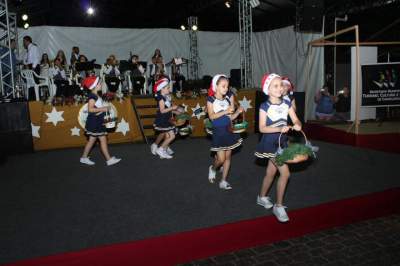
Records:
x=268, y=145
x=95, y=125
x=223, y=139
x=162, y=122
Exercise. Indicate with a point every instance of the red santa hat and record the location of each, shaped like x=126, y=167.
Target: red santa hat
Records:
x=266, y=81
x=213, y=85
x=160, y=84
x=286, y=80
x=90, y=82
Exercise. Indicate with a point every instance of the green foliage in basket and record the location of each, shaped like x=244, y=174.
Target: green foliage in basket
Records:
x=208, y=124
x=183, y=116
x=291, y=151
x=242, y=125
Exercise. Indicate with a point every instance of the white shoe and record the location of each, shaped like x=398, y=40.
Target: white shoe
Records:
x=113, y=161
x=224, y=185
x=163, y=154
x=154, y=148
x=211, y=174
x=265, y=202
x=280, y=213
x=87, y=161
x=170, y=151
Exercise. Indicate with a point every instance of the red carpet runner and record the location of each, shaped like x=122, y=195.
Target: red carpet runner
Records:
x=188, y=246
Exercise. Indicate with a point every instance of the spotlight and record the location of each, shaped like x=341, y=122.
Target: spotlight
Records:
x=26, y=25
x=254, y=3
x=228, y=4
x=90, y=11
x=24, y=17
x=194, y=28
x=183, y=27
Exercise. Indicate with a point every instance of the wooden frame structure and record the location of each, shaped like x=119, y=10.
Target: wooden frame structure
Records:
x=321, y=42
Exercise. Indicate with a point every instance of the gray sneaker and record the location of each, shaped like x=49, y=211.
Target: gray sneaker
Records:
x=224, y=185
x=113, y=161
x=86, y=160
x=265, y=202
x=280, y=213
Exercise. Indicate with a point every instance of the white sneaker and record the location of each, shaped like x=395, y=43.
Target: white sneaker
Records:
x=170, y=151
x=265, y=202
x=154, y=148
x=113, y=161
x=224, y=185
x=211, y=174
x=280, y=213
x=163, y=154
x=87, y=161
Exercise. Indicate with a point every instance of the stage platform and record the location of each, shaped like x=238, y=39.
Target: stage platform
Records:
x=382, y=136
x=51, y=204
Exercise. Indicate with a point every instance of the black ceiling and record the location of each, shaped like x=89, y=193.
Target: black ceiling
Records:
x=212, y=14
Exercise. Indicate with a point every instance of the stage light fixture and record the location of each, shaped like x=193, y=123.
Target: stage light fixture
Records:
x=26, y=25
x=254, y=3
x=194, y=28
x=183, y=27
x=24, y=17
x=90, y=11
x=228, y=4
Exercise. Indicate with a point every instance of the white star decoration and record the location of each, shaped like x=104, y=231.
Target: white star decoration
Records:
x=198, y=111
x=122, y=127
x=75, y=131
x=245, y=103
x=35, y=131
x=54, y=117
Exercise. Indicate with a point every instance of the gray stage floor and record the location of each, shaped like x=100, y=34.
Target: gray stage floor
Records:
x=50, y=203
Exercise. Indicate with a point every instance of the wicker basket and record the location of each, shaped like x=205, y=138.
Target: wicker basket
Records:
x=240, y=127
x=299, y=157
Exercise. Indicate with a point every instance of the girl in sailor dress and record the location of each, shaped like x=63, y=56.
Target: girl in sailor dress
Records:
x=162, y=123
x=221, y=113
x=94, y=127
x=273, y=117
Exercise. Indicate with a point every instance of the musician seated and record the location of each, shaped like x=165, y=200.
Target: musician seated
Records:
x=57, y=72
x=137, y=75
x=157, y=70
x=112, y=73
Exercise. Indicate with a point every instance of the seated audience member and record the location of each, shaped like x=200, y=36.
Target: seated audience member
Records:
x=324, y=101
x=137, y=75
x=61, y=55
x=74, y=55
x=44, y=65
x=111, y=73
x=343, y=103
x=60, y=80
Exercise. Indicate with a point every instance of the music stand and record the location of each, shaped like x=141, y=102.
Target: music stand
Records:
x=84, y=66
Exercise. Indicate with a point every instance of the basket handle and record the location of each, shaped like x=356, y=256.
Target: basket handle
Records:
x=280, y=135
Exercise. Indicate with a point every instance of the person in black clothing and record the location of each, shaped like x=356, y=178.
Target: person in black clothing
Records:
x=342, y=103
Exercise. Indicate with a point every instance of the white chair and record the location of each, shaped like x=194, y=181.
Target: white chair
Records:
x=29, y=76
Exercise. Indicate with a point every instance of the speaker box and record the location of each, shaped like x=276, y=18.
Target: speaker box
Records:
x=311, y=15
x=15, y=129
x=235, y=78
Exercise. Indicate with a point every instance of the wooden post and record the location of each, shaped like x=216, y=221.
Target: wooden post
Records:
x=358, y=90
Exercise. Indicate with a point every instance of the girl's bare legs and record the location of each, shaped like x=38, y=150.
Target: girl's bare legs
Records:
x=268, y=178
x=89, y=146
x=104, y=147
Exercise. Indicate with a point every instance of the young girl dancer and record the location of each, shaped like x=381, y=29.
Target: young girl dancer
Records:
x=162, y=124
x=95, y=128
x=272, y=122
x=288, y=89
x=221, y=113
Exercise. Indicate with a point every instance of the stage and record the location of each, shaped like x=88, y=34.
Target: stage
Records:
x=51, y=204
x=383, y=136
